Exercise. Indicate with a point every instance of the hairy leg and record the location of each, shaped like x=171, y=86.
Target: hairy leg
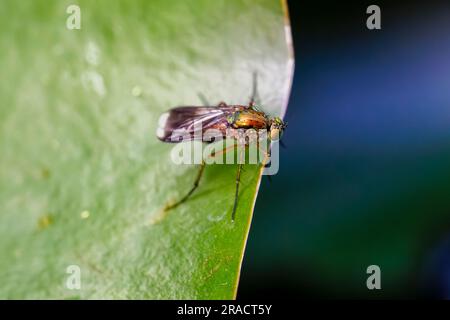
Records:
x=238, y=181
x=254, y=95
x=196, y=183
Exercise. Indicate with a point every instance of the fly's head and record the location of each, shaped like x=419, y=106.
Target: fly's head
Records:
x=276, y=128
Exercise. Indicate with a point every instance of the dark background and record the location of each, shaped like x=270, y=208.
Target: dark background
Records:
x=365, y=177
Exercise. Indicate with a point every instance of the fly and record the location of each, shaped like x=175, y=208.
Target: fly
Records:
x=221, y=118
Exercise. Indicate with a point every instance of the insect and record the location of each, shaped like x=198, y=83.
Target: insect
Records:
x=221, y=117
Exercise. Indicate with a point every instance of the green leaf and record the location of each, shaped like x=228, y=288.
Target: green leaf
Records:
x=83, y=178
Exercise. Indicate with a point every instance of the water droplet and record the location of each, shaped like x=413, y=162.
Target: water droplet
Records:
x=84, y=214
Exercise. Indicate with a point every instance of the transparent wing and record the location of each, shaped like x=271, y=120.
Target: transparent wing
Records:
x=187, y=119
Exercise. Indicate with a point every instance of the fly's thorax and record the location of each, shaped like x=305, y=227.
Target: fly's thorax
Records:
x=248, y=120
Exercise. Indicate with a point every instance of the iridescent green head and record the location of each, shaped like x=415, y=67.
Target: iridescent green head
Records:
x=277, y=127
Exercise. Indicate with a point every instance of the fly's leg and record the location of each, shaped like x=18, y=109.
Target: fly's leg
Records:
x=266, y=153
x=206, y=103
x=236, y=195
x=203, y=99
x=238, y=176
x=238, y=180
x=196, y=182
x=221, y=152
x=254, y=95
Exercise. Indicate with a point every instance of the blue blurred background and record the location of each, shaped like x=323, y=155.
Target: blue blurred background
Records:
x=365, y=177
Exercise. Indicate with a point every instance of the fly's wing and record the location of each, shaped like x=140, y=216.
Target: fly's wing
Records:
x=180, y=123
